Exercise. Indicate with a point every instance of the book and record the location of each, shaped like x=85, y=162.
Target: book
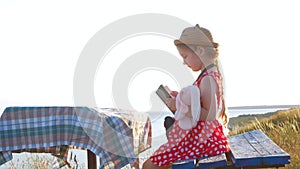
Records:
x=163, y=93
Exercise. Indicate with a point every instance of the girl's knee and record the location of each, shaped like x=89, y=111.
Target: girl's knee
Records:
x=149, y=165
x=146, y=164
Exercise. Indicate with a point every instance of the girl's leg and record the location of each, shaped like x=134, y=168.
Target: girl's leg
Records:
x=168, y=124
x=149, y=165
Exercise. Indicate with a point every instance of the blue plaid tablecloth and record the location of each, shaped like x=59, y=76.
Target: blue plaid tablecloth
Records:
x=115, y=136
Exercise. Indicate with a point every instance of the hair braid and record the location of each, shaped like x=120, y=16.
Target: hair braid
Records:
x=223, y=114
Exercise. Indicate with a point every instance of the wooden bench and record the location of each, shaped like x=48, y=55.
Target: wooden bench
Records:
x=252, y=149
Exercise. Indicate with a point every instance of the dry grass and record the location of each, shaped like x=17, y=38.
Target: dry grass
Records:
x=41, y=161
x=32, y=161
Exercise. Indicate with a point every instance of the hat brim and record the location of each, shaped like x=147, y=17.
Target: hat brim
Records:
x=213, y=44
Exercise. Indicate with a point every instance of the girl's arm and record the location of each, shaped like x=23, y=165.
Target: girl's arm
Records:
x=208, y=89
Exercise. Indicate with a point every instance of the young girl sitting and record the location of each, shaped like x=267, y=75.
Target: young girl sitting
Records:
x=206, y=137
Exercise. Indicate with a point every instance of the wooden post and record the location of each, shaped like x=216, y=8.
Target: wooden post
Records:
x=91, y=158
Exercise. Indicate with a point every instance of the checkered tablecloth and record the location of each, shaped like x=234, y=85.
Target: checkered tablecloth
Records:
x=115, y=136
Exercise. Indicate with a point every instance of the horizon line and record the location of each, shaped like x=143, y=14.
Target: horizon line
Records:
x=263, y=106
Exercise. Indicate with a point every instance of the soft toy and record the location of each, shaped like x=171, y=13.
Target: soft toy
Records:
x=188, y=99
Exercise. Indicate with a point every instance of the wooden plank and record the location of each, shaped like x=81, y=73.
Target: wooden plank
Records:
x=271, y=152
x=205, y=163
x=254, y=148
x=212, y=162
x=243, y=153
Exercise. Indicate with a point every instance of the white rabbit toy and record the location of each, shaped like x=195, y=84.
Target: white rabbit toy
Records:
x=188, y=107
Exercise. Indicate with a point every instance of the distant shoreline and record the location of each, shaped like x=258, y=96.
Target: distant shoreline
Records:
x=263, y=107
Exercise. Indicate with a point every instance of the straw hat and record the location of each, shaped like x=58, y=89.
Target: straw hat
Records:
x=196, y=36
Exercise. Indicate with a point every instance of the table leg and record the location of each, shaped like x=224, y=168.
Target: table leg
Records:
x=92, y=162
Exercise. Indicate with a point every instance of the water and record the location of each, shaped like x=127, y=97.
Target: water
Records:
x=237, y=112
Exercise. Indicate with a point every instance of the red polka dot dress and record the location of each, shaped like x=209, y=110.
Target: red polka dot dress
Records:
x=205, y=139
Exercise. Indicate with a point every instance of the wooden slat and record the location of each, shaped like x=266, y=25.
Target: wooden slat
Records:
x=254, y=139
x=205, y=163
x=254, y=148
x=213, y=162
x=271, y=152
x=242, y=152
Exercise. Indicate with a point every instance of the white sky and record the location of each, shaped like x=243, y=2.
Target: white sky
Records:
x=40, y=42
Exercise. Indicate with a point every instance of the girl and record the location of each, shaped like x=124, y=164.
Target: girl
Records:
x=207, y=138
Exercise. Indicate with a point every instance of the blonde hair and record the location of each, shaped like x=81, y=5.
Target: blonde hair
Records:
x=223, y=114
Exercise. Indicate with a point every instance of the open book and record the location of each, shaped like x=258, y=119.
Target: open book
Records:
x=164, y=92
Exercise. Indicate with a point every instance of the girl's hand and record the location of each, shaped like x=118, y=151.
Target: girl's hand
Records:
x=171, y=103
x=174, y=93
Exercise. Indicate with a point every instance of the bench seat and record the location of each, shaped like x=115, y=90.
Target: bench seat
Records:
x=251, y=149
